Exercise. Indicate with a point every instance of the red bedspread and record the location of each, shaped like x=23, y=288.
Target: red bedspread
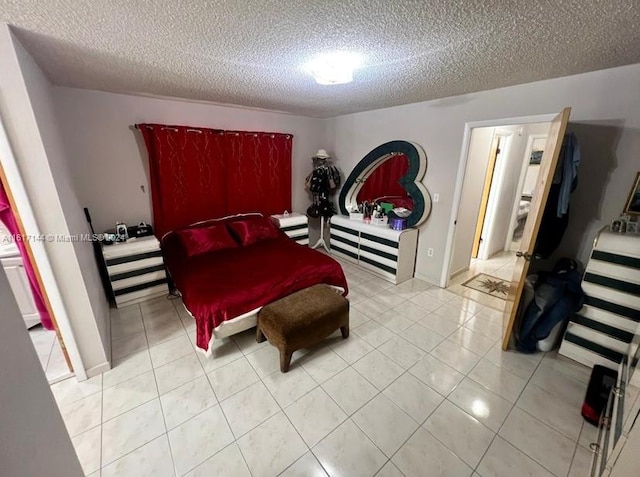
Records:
x=221, y=285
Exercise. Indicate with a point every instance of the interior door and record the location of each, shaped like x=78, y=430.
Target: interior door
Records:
x=484, y=200
x=550, y=156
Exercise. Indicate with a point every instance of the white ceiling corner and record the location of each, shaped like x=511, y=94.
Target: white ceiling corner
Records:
x=252, y=53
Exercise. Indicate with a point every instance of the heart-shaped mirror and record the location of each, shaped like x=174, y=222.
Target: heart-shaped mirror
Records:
x=391, y=173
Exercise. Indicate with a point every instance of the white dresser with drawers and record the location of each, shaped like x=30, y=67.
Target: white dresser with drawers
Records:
x=136, y=270
x=391, y=254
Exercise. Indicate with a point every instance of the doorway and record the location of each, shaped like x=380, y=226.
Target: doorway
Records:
x=493, y=208
x=19, y=201
x=43, y=331
x=487, y=221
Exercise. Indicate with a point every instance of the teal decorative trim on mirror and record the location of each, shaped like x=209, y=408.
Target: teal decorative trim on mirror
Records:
x=411, y=181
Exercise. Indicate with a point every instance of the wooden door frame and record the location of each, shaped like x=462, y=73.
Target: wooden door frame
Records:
x=12, y=180
x=462, y=166
x=486, y=190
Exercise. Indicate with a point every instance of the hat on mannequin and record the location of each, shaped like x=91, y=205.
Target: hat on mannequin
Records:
x=322, y=154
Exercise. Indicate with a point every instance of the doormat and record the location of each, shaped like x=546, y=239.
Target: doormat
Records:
x=490, y=285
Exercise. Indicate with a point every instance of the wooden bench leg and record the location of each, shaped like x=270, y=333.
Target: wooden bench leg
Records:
x=260, y=335
x=285, y=361
x=345, y=332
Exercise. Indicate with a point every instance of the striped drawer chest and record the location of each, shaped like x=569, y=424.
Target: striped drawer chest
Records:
x=391, y=254
x=296, y=226
x=601, y=331
x=136, y=270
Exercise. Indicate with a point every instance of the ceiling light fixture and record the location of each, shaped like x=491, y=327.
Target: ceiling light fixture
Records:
x=334, y=68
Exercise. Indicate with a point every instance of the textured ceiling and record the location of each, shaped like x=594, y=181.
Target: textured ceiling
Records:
x=252, y=53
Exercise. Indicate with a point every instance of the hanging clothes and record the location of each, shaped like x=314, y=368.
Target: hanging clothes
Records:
x=555, y=217
x=567, y=172
x=321, y=182
x=8, y=218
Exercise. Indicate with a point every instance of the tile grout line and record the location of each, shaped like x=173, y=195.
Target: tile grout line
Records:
x=505, y=420
x=219, y=403
x=155, y=380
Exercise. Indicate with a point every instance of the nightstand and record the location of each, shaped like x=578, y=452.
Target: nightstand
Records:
x=136, y=270
x=294, y=225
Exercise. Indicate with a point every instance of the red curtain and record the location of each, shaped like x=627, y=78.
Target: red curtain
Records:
x=198, y=174
x=9, y=220
x=383, y=181
x=259, y=172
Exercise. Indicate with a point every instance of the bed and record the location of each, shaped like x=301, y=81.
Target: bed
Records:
x=227, y=269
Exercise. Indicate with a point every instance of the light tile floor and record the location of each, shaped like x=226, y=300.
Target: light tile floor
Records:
x=50, y=354
x=420, y=388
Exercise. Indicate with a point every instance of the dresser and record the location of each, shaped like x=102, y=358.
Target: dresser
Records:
x=390, y=254
x=296, y=226
x=601, y=331
x=136, y=270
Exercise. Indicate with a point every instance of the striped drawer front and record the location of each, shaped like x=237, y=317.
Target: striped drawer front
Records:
x=601, y=331
x=383, y=251
x=344, y=230
x=346, y=250
x=295, y=234
x=141, y=294
x=133, y=258
x=298, y=232
x=377, y=267
x=132, y=269
x=380, y=262
x=344, y=238
x=138, y=280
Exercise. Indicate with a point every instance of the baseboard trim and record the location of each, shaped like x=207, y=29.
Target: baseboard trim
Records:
x=456, y=273
x=427, y=279
x=99, y=369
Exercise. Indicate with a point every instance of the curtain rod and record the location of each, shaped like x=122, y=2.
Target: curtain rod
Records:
x=218, y=131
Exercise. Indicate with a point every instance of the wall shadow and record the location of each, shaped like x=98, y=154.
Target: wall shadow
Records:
x=598, y=142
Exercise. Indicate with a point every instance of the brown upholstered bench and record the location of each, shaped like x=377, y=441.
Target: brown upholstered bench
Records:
x=302, y=320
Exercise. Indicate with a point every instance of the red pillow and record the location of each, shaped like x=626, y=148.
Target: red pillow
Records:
x=253, y=229
x=199, y=240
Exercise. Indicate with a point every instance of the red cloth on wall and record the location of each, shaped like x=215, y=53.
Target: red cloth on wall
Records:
x=258, y=172
x=198, y=173
x=384, y=180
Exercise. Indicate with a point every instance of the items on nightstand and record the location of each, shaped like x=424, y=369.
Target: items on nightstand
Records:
x=141, y=230
x=121, y=232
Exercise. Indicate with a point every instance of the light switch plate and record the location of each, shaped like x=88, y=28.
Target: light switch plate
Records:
x=436, y=197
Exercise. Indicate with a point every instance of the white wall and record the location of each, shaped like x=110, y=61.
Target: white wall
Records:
x=475, y=173
x=109, y=160
x=27, y=113
x=605, y=104
x=33, y=439
x=106, y=156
